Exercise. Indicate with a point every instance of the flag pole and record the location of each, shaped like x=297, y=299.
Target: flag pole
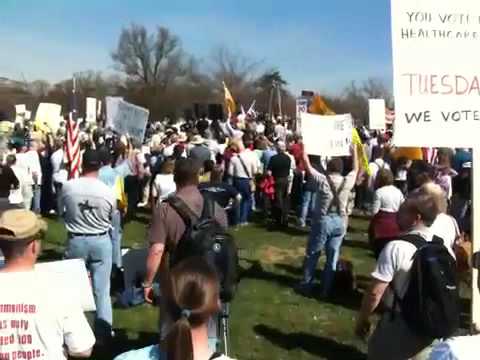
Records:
x=74, y=99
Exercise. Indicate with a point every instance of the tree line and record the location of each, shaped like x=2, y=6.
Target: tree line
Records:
x=153, y=70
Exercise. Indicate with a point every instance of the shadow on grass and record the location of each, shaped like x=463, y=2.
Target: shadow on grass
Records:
x=256, y=271
x=358, y=244
x=122, y=343
x=318, y=346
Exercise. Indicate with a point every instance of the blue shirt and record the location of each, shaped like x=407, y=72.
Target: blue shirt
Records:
x=108, y=176
x=267, y=156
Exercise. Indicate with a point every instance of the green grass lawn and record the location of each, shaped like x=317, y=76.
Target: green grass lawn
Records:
x=269, y=321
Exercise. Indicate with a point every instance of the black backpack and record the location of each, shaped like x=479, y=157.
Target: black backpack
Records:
x=206, y=238
x=431, y=305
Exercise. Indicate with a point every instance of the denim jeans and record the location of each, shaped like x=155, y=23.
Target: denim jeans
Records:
x=97, y=253
x=116, y=234
x=37, y=195
x=243, y=187
x=308, y=203
x=326, y=234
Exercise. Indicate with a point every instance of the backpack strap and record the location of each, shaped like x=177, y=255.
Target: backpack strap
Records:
x=182, y=209
x=415, y=240
x=208, y=211
x=418, y=242
x=244, y=167
x=336, y=200
x=215, y=356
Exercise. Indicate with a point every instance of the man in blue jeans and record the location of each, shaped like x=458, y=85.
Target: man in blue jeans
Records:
x=242, y=170
x=87, y=206
x=328, y=222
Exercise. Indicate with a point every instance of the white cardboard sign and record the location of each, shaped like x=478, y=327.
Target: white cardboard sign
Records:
x=329, y=135
x=70, y=278
x=436, y=77
x=376, y=114
x=50, y=114
x=131, y=119
x=111, y=105
x=91, y=113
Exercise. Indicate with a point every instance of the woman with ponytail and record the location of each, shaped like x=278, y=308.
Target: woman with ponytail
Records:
x=192, y=299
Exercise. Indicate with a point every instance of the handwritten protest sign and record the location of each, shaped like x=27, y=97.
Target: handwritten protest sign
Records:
x=436, y=77
x=329, y=135
x=91, y=113
x=376, y=117
x=131, y=119
x=20, y=109
x=50, y=115
x=111, y=105
x=71, y=279
x=301, y=107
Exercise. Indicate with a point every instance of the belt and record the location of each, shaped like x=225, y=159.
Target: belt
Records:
x=71, y=234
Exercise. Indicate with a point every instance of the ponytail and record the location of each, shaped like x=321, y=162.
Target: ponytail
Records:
x=179, y=340
x=192, y=297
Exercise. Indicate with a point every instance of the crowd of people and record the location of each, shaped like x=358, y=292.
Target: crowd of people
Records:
x=254, y=170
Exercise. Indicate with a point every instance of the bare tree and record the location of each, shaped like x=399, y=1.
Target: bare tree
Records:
x=39, y=88
x=237, y=70
x=374, y=88
x=152, y=59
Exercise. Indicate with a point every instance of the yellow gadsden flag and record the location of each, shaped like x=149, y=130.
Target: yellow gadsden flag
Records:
x=229, y=102
x=319, y=107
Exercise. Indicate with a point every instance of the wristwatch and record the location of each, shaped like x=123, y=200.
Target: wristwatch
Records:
x=147, y=285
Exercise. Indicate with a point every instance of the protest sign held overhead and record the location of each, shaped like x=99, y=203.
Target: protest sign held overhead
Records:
x=130, y=119
x=20, y=111
x=376, y=115
x=91, y=113
x=50, y=115
x=111, y=107
x=436, y=77
x=327, y=135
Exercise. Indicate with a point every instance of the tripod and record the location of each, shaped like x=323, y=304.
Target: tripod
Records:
x=223, y=328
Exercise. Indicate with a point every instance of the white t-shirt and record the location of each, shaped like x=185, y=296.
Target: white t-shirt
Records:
x=375, y=167
x=16, y=196
x=88, y=204
x=163, y=186
x=457, y=348
x=446, y=228
x=387, y=199
x=394, y=264
x=57, y=160
x=31, y=161
x=36, y=323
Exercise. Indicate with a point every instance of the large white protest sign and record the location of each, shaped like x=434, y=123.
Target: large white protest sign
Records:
x=131, y=119
x=69, y=278
x=376, y=114
x=111, y=106
x=437, y=85
x=49, y=114
x=91, y=113
x=436, y=76
x=329, y=135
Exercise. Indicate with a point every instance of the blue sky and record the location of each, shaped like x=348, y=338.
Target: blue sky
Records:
x=316, y=44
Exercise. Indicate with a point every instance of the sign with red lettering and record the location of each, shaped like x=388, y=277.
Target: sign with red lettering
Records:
x=436, y=73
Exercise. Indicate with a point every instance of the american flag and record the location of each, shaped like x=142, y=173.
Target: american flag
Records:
x=72, y=148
